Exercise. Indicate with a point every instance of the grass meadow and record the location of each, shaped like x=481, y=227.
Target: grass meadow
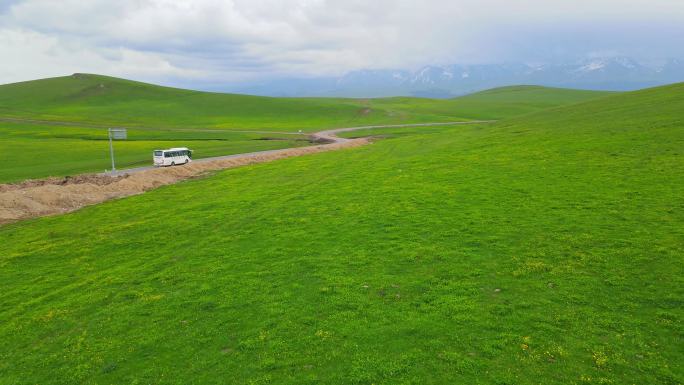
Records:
x=57, y=126
x=102, y=100
x=36, y=151
x=543, y=249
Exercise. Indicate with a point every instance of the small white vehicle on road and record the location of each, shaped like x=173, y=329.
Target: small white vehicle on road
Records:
x=172, y=156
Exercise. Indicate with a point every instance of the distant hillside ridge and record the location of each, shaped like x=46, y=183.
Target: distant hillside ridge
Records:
x=98, y=100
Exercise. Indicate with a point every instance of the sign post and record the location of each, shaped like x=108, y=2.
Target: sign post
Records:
x=115, y=134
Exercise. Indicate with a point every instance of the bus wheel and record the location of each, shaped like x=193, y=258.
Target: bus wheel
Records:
x=173, y=163
x=186, y=161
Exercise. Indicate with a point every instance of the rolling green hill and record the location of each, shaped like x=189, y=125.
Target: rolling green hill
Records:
x=497, y=103
x=105, y=100
x=542, y=249
x=57, y=126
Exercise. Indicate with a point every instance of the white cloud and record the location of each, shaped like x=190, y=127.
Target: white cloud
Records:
x=226, y=40
x=29, y=55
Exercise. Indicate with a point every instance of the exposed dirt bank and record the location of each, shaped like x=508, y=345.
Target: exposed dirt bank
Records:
x=34, y=198
x=41, y=197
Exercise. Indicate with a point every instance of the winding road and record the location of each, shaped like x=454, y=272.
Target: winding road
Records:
x=327, y=136
x=60, y=195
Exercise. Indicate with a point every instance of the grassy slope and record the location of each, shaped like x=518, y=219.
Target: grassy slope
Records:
x=39, y=150
x=35, y=151
x=498, y=103
x=105, y=100
x=542, y=250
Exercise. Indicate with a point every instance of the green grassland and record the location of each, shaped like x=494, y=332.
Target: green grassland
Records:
x=60, y=123
x=498, y=103
x=543, y=249
x=396, y=132
x=35, y=151
x=103, y=100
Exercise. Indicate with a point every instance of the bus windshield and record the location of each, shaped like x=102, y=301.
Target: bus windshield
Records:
x=158, y=153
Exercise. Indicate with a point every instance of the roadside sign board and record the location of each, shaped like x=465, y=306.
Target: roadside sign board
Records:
x=115, y=134
x=118, y=133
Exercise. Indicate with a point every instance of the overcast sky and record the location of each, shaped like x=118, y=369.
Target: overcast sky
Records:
x=169, y=41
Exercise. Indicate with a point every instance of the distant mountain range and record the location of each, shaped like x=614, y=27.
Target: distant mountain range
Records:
x=616, y=73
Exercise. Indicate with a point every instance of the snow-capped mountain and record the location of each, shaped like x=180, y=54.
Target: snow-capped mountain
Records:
x=672, y=69
x=615, y=73
x=370, y=78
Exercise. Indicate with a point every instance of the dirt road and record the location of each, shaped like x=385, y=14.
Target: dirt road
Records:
x=324, y=137
x=50, y=196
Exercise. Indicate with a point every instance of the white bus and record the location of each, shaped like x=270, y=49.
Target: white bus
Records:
x=172, y=156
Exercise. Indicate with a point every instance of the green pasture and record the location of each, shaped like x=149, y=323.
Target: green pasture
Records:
x=498, y=103
x=35, y=151
x=57, y=126
x=94, y=99
x=543, y=249
x=102, y=100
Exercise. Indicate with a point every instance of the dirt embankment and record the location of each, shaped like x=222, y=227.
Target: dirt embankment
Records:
x=34, y=198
